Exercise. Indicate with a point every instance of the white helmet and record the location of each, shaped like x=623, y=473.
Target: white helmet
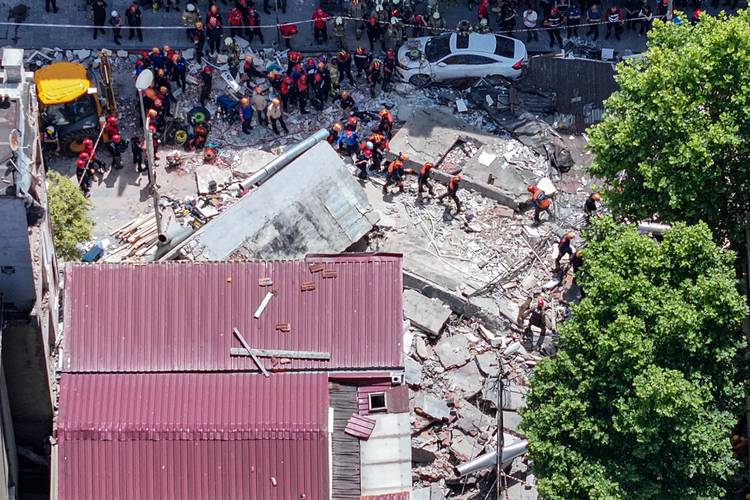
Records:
x=378, y=8
x=114, y=13
x=339, y=20
x=369, y=145
x=436, y=15
x=394, y=20
x=483, y=22
x=228, y=41
x=395, y=2
x=190, y=7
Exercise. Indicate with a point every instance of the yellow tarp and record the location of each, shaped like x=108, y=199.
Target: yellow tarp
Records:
x=61, y=82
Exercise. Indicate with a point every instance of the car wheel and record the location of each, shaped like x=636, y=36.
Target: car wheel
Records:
x=420, y=80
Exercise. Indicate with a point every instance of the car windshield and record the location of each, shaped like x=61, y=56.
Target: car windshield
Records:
x=437, y=48
x=71, y=112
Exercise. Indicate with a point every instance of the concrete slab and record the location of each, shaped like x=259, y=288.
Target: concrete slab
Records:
x=464, y=447
x=412, y=371
x=210, y=178
x=426, y=314
x=467, y=380
x=250, y=161
x=453, y=351
x=471, y=420
x=489, y=364
x=430, y=406
x=512, y=421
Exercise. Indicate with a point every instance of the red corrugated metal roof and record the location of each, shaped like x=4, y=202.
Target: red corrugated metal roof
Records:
x=179, y=316
x=193, y=435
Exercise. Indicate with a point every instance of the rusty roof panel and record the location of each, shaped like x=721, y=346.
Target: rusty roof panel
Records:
x=179, y=316
x=193, y=435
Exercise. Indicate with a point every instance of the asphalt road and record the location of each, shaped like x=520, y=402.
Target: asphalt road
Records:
x=76, y=12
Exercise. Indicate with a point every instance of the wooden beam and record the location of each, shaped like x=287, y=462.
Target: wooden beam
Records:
x=276, y=353
x=251, y=353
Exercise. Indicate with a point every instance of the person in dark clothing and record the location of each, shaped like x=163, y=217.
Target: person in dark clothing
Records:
x=552, y=23
x=253, y=23
x=180, y=70
x=50, y=3
x=537, y=319
x=389, y=67
x=134, y=18
x=213, y=33
x=591, y=205
x=115, y=22
x=614, y=22
x=395, y=174
x=593, y=18
x=452, y=192
x=136, y=147
x=99, y=8
x=362, y=59
x=374, y=33
x=246, y=115
x=113, y=147
x=364, y=159
x=198, y=36
x=345, y=65
x=207, y=79
x=373, y=75
x=345, y=100
x=423, y=181
x=302, y=93
x=573, y=19
x=564, y=247
x=267, y=5
x=646, y=17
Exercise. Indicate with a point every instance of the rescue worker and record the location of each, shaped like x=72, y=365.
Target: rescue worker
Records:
x=207, y=80
x=113, y=147
x=385, y=126
x=319, y=91
x=395, y=174
x=452, y=191
x=134, y=18
x=483, y=26
x=213, y=12
x=198, y=36
x=591, y=205
x=213, y=34
x=349, y=142
x=345, y=101
x=389, y=68
x=373, y=75
x=288, y=90
x=374, y=33
x=537, y=319
x=275, y=116
x=246, y=115
x=325, y=74
x=112, y=127
x=333, y=133
x=320, y=31
x=394, y=34
x=553, y=23
x=302, y=93
x=293, y=58
x=423, y=181
x=463, y=27
x=381, y=145
x=260, y=103
x=564, y=247
x=116, y=22
x=351, y=123
x=83, y=174
x=253, y=26
x=362, y=60
x=233, y=56
x=339, y=32
x=50, y=137
x=136, y=147
x=364, y=159
x=250, y=72
x=345, y=65
x=190, y=16
x=180, y=70
x=287, y=31
x=539, y=200
x=418, y=25
x=437, y=23
x=235, y=22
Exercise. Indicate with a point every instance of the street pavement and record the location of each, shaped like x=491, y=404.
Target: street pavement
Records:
x=77, y=12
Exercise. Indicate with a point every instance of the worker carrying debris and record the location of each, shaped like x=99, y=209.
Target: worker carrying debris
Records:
x=452, y=191
x=395, y=173
x=564, y=247
x=539, y=200
x=423, y=181
x=591, y=205
x=536, y=317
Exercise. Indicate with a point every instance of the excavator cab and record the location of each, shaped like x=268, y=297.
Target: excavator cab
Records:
x=70, y=101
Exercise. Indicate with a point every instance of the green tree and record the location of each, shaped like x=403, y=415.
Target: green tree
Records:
x=68, y=210
x=675, y=141
x=639, y=402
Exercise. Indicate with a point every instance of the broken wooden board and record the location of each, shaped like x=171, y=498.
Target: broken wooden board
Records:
x=277, y=353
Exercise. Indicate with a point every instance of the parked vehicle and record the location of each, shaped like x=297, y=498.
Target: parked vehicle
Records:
x=451, y=56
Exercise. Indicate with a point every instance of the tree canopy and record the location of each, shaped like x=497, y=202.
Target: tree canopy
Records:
x=68, y=209
x=639, y=402
x=675, y=141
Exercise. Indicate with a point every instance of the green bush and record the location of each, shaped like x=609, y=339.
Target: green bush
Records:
x=68, y=211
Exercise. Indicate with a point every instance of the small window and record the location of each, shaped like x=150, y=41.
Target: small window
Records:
x=457, y=59
x=475, y=59
x=505, y=47
x=377, y=401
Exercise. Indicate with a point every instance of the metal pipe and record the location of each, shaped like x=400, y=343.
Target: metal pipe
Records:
x=489, y=459
x=653, y=228
x=169, y=239
x=284, y=159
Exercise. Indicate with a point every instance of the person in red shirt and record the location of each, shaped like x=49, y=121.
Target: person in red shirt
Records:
x=452, y=190
x=288, y=92
x=235, y=22
x=302, y=93
x=483, y=11
x=320, y=30
x=253, y=25
x=423, y=181
x=288, y=30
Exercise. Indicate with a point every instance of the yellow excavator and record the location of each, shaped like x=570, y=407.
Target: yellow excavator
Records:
x=75, y=102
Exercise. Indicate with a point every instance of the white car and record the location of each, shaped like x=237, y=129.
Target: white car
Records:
x=451, y=56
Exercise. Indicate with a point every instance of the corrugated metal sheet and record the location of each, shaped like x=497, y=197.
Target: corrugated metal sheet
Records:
x=345, y=448
x=196, y=435
x=179, y=316
x=359, y=426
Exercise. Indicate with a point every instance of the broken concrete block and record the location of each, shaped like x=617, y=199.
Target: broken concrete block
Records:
x=471, y=420
x=412, y=371
x=513, y=348
x=423, y=350
x=421, y=494
x=222, y=59
x=430, y=406
x=82, y=54
x=512, y=421
x=489, y=364
x=188, y=54
x=210, y=178
x=514, y=398
x=122, y=53
x=251, y=160
x=436, y=492
x=467, y=381
x=507, y=308
x=426, y=314
x=491, y=391
x=464, y=447
x=453, y=351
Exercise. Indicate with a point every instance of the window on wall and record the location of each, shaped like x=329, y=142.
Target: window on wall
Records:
x=377, y=401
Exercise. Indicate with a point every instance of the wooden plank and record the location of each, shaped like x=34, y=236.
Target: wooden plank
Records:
x=316, y=268
x=250, y=352
x=308, y=286
x=284, y=327
x=329, y=273
x=265, y=282
x=263, y=304
x=278, y=353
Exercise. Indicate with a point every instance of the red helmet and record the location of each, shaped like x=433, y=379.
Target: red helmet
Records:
x=390, y=53
x=318, y=77
x=80, y=163
x=207, y=69
x=152, y=128
x=540, y=303
x=352, y=120
x=116, y=138
x=360, y=50
x=112, y=120
x=87, y=143
x=84, y=156
x=531, y=188
x=303, y=78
